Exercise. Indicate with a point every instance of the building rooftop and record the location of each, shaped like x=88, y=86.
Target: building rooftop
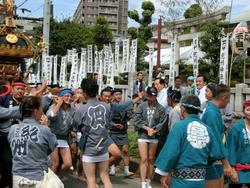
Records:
x=244, y=16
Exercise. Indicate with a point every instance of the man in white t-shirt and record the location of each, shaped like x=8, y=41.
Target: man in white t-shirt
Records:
x=162, y=95
x=201, y=83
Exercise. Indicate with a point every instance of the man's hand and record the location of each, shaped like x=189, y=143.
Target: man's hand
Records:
x=58, y=101
x=118, y=126
x=44, y=120
x=165, y=181
x=227, y=168
x=234, y=176
x=151, y=132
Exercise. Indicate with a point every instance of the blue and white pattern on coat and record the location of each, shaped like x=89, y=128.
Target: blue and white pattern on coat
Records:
x=197, y=135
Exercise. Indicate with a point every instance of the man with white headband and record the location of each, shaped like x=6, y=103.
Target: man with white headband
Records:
x=189, y=147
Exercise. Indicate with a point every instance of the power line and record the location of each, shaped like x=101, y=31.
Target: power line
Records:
x=36, y=10
x=21, y=4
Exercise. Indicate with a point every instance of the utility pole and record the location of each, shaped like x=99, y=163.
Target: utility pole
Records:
x=158, y=64
x=46, y=23
x=46, y=26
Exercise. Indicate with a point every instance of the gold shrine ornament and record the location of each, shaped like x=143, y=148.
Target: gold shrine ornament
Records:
x=12, y=38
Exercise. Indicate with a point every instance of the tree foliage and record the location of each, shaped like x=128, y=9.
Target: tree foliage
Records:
x=101, y=32
x=210, y=44
x=67, y=35
x=174, y=9
x=144, y=32
x=193, y=11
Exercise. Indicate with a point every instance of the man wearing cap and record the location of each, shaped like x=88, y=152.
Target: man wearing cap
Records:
x=238, y=145
x=118, y=130
x=149, y=119
x=190, y=85
x=13, y=99
x=61, y=123
x=190, y=145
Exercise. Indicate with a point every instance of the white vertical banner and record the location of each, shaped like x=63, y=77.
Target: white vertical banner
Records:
x=33, y=78
x=132, y=65
x=55, y=81
x=125, y=56
x=100, y=74
x=48, y=74
x=38, y=75
x=110, y=76
x=117, y=56
x=27, y=64
x=69, y=56
x=97, y=64
x=133, y=56
x=73, y=81
x=90, y=59
x=195, y=46
x=44, y=66
x=151, y=66
x=172, y=65
x=106, y=60
x=223, y=61
x=82, y=70
x=63, y=72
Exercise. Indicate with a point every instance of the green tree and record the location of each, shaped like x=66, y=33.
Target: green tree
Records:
x=174, y=9
x=102, y=33
x=144, y=32
x=210, y=44
x=67, y=35
x=193, y=11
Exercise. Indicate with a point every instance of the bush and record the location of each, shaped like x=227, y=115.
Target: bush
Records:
x=133, y=146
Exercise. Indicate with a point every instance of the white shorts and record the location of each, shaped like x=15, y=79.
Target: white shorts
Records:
x=150, y=141
x=22, y=182
x=62, y=143
x=95, y=159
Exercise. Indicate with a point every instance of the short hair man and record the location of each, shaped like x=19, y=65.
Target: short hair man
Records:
x=139, y=85
x=188, y=149
x=213, y=118
x=201, y=82
x=162, y=96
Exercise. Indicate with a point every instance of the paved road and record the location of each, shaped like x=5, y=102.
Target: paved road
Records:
x=118, y=181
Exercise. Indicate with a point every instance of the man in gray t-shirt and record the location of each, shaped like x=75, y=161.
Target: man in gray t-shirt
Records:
x=31, y=143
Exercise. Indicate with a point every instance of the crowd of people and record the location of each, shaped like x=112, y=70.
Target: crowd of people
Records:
x=185, y=134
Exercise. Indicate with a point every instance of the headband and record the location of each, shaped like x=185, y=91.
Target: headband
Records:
x=18, y=84
x=7, y=90
x=190, y=106
x=66, y=91
x=246, y=103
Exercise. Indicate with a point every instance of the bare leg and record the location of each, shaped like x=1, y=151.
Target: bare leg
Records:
x=216, y=183
x=143, y=150
x=89, y=170
x=54, y=156
x=66, y=157
x=115, y=152
x=151, y=157
x=104, y=175
x=126, y=161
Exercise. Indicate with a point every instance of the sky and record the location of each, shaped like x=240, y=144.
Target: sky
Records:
x=66, y=8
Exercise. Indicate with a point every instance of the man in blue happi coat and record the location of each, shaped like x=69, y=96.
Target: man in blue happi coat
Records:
x=190, y=146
